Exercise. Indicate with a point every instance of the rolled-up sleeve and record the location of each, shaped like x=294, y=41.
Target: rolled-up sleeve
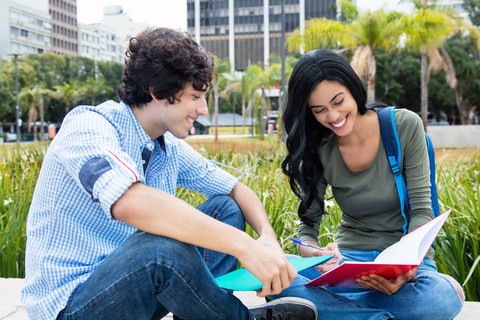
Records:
x=93, y=157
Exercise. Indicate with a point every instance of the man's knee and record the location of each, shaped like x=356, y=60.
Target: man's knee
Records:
x=224, y=209
x=154, y=247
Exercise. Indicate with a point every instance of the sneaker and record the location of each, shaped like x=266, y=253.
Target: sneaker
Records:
x=288, y=308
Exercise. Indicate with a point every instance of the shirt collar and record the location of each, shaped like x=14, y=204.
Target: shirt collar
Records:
x=142, y=135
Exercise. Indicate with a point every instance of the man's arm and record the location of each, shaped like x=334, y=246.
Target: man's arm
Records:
x=157, y=212
x=254, y=211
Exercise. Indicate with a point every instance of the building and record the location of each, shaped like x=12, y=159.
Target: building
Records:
x=108, y=43
x=122, y=24
x=408, y=7
x=227, y=123
x=248, y=31
x=88, y=42
x=64, y=26
x=24, y=28
x=456, y=5
x=108, y=39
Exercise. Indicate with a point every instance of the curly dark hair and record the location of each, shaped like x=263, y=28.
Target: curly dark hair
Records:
x=162, y=61
x=302, y=164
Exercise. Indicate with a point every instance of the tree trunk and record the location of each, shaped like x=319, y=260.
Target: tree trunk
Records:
x=280, y=131
x=424, y=82
x=42, y=117
x=372, y=74
x=215, y=113
x=424, y=88
x=244, y=114
x=32, y=119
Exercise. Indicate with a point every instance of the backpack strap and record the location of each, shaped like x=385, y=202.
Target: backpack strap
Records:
x=393, y=150
x=433, y=174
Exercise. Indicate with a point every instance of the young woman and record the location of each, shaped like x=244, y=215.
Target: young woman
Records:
x=334, y=139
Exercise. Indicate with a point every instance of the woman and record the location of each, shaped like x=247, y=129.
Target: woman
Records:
x=334, y=139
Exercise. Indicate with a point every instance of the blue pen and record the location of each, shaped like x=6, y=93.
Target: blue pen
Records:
x=302, y=243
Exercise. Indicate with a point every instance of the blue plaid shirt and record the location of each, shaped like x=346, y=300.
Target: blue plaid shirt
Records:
x=94, y=159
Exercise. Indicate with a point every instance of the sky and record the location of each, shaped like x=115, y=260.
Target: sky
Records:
x=158, y=13
x=172, y=13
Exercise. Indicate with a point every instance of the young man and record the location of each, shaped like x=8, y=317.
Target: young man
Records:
x=107, y=238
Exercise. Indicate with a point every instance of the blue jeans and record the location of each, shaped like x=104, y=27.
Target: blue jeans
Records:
x=429, y=296
x=148, y=276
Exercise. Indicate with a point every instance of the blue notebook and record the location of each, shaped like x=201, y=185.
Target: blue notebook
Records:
x=242, y=280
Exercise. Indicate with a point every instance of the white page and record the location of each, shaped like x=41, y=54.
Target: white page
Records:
x=413, y=247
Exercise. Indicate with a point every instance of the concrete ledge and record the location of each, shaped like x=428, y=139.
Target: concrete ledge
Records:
x=11, y=309
x=461, y=136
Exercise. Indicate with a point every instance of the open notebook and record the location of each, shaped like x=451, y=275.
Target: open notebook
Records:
x=395, y=260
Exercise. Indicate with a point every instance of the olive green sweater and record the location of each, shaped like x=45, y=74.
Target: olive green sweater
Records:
x=371, y=218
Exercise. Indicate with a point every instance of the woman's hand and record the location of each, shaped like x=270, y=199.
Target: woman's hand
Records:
x=330, y=249
x=387, y=286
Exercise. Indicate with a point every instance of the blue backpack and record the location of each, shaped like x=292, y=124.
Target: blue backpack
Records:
x=393, y=150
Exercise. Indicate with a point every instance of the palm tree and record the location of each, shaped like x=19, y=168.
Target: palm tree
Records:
x=364, y=35
x=221, y=67
x=68, y=94
x=245, y=84
x=427, y=30
x=28, y=97
x=33, y=97
x=93, y=88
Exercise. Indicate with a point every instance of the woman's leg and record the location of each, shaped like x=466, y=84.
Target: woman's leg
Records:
x=415, y=299
x=431, y=295
x=332, y=306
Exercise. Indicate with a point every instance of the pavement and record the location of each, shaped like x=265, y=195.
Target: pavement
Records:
x=11, y=308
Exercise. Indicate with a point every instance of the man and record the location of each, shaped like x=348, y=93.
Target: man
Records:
x=107, y=238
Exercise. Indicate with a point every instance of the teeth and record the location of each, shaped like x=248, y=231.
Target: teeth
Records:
x=339, y=124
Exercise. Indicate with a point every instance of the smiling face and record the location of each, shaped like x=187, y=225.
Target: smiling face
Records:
x=334, y=107
x=158, y=116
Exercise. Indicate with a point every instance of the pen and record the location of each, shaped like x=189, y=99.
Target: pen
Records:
x=302, y=243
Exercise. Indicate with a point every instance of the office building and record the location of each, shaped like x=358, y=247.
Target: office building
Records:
x=118, y=21
x=64, y=26
x=249, y=31
x=88, y=41
x=24, y=28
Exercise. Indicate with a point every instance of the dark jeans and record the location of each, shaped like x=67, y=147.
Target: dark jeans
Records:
x=148, y=276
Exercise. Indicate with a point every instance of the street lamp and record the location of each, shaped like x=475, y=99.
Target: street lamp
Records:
x=17, y=108
x=283, y=54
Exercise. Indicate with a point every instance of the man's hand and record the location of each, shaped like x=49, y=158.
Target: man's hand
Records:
x=330, y=249
x=387, y=286
x=266, y=261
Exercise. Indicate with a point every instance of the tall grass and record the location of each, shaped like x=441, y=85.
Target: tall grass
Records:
x=19, y=170
x=259, y=166
x=458, y=246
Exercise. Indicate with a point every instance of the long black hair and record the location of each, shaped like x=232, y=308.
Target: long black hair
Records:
x=302, y=164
